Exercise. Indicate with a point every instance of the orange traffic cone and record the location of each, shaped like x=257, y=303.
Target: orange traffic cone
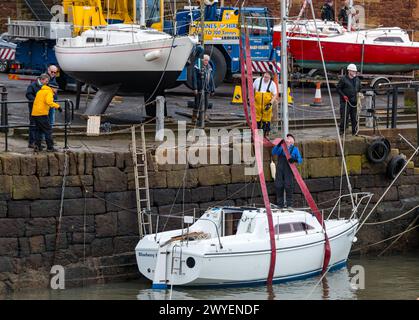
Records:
x=317, y=97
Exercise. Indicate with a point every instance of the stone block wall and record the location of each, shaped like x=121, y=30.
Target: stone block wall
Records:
x=93, y=231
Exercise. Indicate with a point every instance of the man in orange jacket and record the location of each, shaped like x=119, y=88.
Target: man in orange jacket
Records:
x=44, y=100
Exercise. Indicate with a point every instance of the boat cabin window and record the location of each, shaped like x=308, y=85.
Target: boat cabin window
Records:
x=231, y=223
x=389, y=39
x=94, y=40
x=292, y=227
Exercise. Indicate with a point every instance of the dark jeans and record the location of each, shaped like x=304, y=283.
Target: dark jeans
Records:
x=350, y=111
x=198, y=101
x=265, y=126
x=284, y=180
x=32, y=128
x=43, y=127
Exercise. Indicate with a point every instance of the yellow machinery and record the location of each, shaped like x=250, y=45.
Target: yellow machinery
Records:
x=215, y=31
x=155, y=14
x=84, y=14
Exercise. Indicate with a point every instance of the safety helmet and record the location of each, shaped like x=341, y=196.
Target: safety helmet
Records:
x=351, y=67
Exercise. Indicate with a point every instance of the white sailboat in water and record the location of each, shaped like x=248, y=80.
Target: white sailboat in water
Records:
x=249, y=245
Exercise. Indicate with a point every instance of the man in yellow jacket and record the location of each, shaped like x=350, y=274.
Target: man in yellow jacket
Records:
x=265, y=94
x=44, y=100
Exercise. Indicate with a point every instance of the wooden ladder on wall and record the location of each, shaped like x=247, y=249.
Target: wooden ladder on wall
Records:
x=142, y=191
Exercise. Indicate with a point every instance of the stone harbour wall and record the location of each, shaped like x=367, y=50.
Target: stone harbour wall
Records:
x=98, y=232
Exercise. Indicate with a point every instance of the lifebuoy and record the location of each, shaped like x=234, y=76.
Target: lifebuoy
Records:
x=395, y=166
x=378, y=150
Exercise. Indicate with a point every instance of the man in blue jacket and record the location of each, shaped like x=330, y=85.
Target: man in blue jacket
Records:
x=52, y=71
x=202, y=80
x=31, y=92
x=284, y=179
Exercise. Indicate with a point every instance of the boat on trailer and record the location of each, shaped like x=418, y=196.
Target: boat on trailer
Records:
x=379, y=50
x=230, y=246
x=133, y=58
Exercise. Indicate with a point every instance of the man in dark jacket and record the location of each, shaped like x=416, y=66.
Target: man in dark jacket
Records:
x=327, y=12
x=52, y=72
x=31, y=92
x=348, y=88
x=284, y=178
x=343, y=14
x=203, y=84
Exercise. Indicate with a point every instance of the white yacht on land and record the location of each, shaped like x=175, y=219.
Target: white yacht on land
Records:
x=136, y=58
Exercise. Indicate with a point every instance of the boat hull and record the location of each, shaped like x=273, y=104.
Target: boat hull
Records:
x=131, y=82
x=297, y=258
x=138, y=67
x=369, y=58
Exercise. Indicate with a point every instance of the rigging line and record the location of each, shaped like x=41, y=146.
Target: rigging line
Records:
x=381, y=241
x=397, y=239
x=343, y=159
x=84, y=231
x=164, y=71
x=182, y=185
x=58, y=229
x=388, y=188
x=318, y=282
x=331, y=100
x=392, y=219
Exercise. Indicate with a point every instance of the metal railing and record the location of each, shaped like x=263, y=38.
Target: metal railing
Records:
x=4, y=116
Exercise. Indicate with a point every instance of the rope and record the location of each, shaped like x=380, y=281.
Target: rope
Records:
x=391, y=244
x=318, y=282
x=392, y=219
x=392, y=237
x=58, y=229
x=331, y=101
x=388, y=188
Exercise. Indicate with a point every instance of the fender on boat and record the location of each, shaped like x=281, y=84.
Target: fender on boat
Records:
x=152, y=55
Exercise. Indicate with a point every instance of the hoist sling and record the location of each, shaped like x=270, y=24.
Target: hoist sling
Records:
x=268, y=143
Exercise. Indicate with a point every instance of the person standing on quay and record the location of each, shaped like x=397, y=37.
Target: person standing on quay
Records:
x=44, y=101
x=31, y=92
x=284, y=178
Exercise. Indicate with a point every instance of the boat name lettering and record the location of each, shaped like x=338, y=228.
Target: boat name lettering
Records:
x=140, y=254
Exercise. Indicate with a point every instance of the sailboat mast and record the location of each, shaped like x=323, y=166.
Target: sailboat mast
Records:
x=142, y=13
x=351, y=3
x=284, y=68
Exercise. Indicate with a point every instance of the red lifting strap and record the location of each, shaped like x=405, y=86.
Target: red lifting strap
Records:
x=243, y=83
x=258, y=141
x=268, y=143
x=313, y=208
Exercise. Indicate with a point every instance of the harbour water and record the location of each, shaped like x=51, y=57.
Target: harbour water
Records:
x=391, y=277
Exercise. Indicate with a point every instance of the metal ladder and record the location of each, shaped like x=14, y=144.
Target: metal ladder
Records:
x=176, y=257
x=142, y=191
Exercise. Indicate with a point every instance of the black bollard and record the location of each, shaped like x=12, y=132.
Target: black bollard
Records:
x=4, y=117
x=394, y=107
